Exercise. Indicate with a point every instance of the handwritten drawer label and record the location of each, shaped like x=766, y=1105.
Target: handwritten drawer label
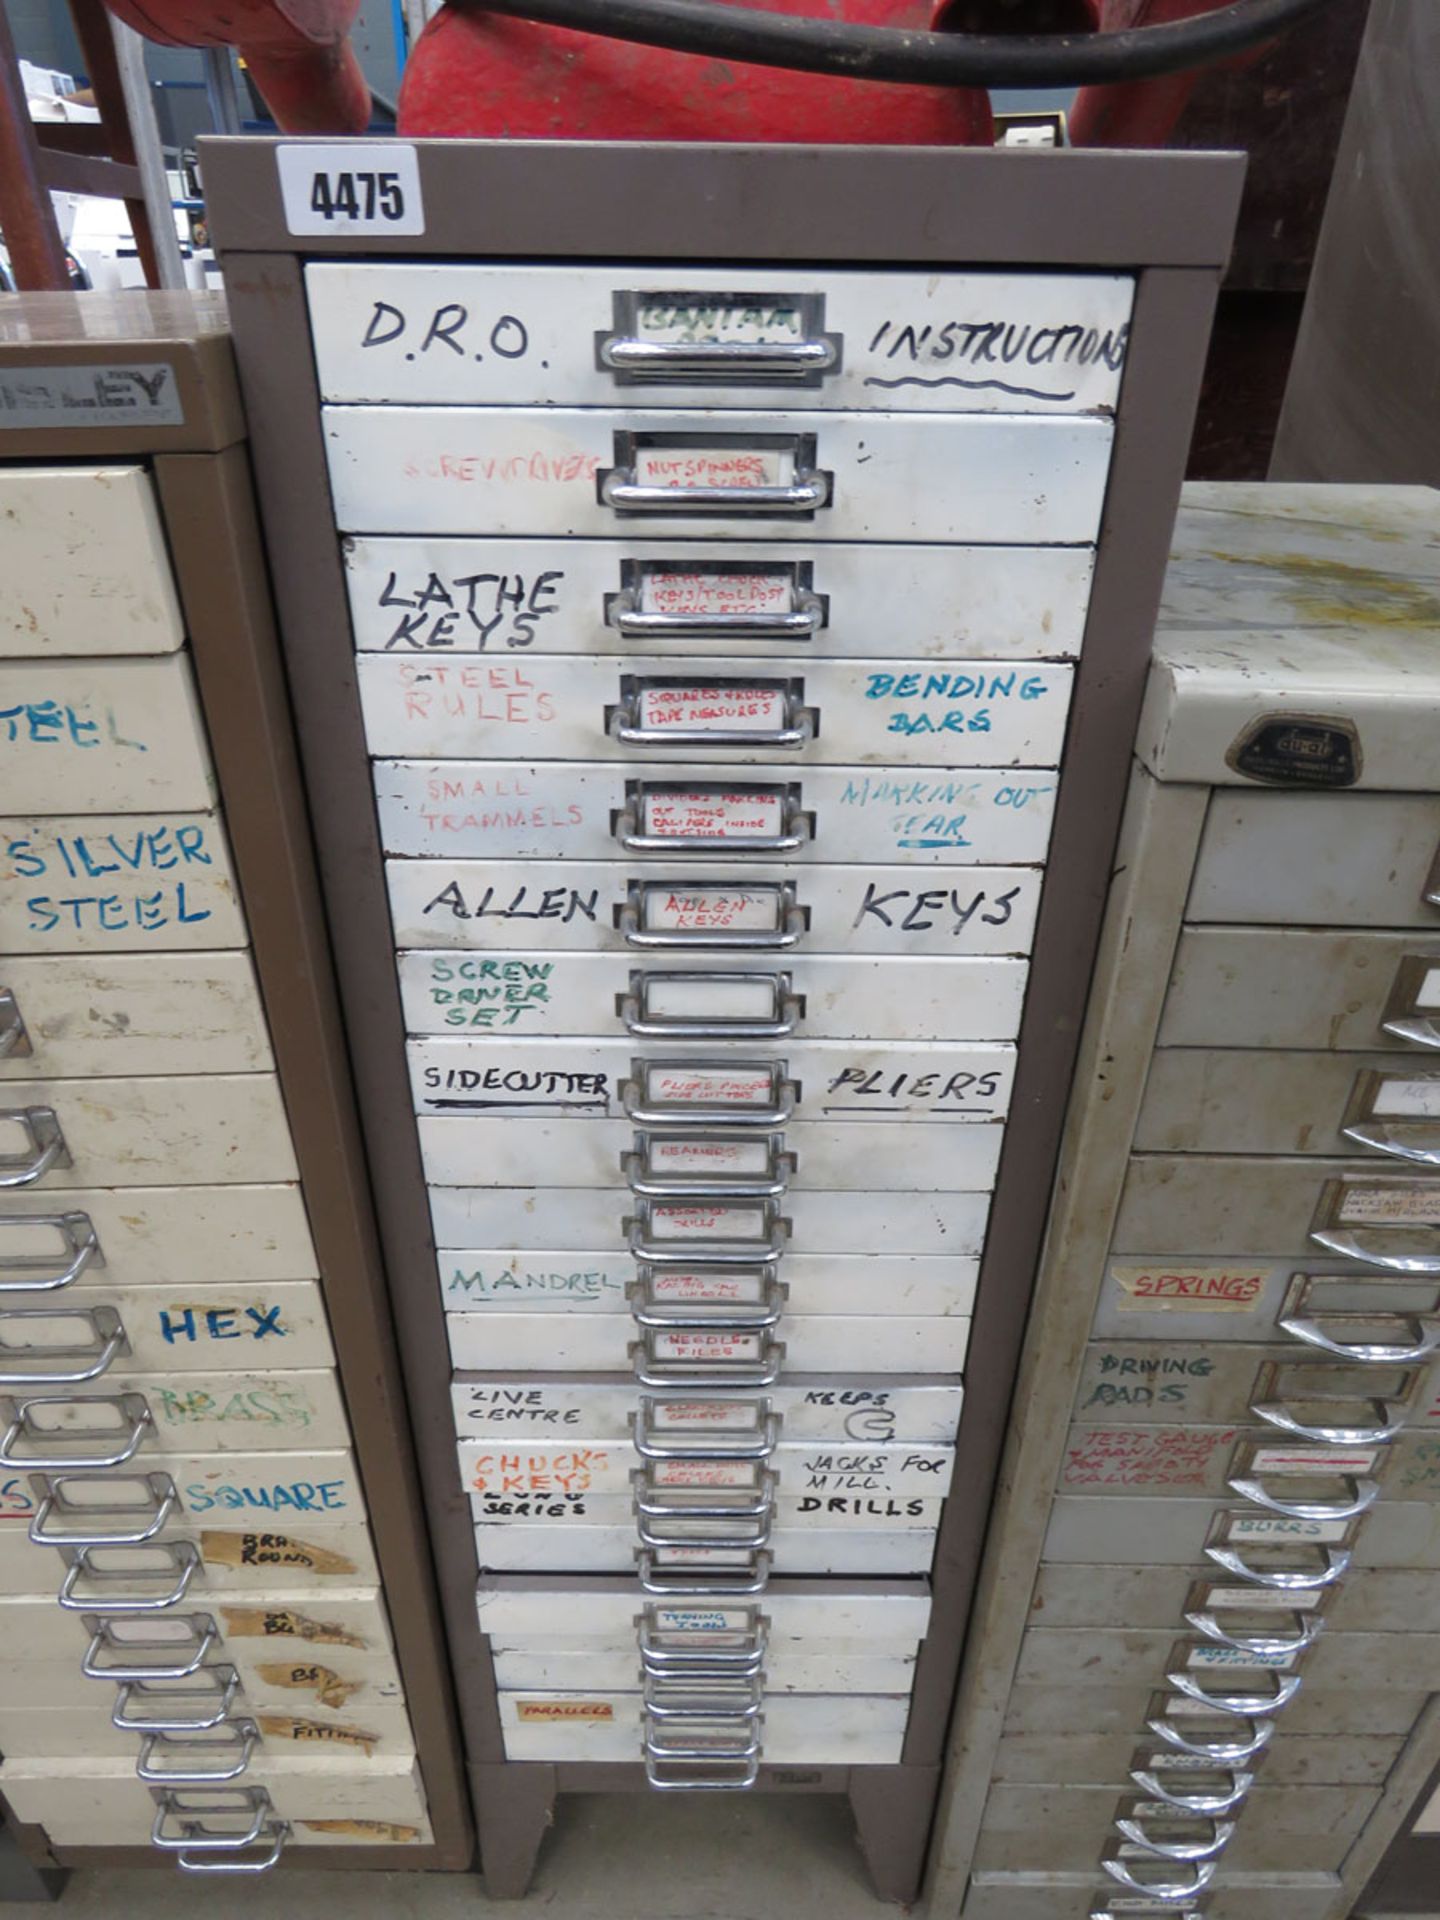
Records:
x=709, y=1086
x=707, y=1223
x=1408, y=1097
x=1260, y=1599
x=710, y=909
x=1392, y=1206
x=1306, y=1460
x=1193, y=1289
x=674, y=591
x=1211, y=1658
x=693, y=320
x=709, y=1156
x=703, y=1620
x=707, y=1346
x=720, y=1286
x=1276, y=1530
x=687, y=468
x=713, y=816
x=552, y=1712
x=703, y=1473
x=717, y=709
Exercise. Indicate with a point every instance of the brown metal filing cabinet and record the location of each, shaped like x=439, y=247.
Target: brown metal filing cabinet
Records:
x=1208, y=1632
x=218, y=1632
x=717, y=587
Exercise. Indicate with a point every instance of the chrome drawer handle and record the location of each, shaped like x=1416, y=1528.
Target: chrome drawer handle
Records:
x=187, y=1811
x=702, y=1503
x=155, y=1512
x=1222, y=1832
x=645, y=1023
x=195, y=1859
x=1362, y=1496
x=1284, y=1687
x=769, y=1182
x=699, y=1314
x=715, y=1776
x=1284, y=1580
x=626, y=721
x=160, y=1717
x=1413, y=1140
x=1306, y=1634
x=803, y=620
x=738, y=1697
x=1210, y=1804
x=775, y=1110
x=47, y=1148
x=789, y=924
x=1389, y=1421
x=245, y=1736
x=634, y=826
x=1202, y=1873
x=107, y=1342
x=759, y=1366
x=752, y=1534
x=695, y=1583
x=765, y=1250
x=639, y=358
x=1221, y=1748
x=1422, y=1342
x=738, y=1742
x=806, y=493
x=14, y=1039
x=131, y=1407
x=183, y=1564
x=667, y=1650
x=82, y=1244
x=204, y=1637
x=1370, y=1247
x=757, y=1442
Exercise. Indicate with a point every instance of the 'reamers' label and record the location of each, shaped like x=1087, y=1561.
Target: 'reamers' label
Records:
x=709, y=1156
x=1417, y=1206
x=675, y=591
x=727, y=818
x=712, y=709
x=1194, y=1288
x=701, y=910
x=686, y=469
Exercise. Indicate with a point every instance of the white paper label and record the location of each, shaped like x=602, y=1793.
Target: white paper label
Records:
x=1427, y=993
x=730, y=1415
x=703, y=1473
x=1408, y=1096
x=710, y=1157
x=707, y=1223
x=709, y=909
x=1305, y=1460
x=702, y=1620
x=721, y=594
x=1259, y=1599
x=674, y=997
x=684, y=320
x=1277, y=1530
x=713, y=816
x=1392, y=1206
x=717, y=709
x=720, y=1285
x=685, y=469
x=680, y=1085
x=692, y=1345
x=1187, y=1289
x=1210, y=1658
x=360, y=186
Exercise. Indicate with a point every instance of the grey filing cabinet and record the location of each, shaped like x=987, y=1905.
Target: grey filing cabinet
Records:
x=716, y=668
x=1209, y=1627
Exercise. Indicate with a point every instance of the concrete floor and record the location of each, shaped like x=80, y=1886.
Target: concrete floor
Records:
x=619, y=1857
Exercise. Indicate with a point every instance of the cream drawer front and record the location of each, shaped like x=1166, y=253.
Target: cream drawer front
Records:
x=117, y=883
x=137, y=1013
x=576, y=1467
x=506, y=810
x=867, y=712
x=1201, y=1383
x=217, y=1329
x=820, y=1343
x=41, y=1733
x=819, y=1222
x=833, y=1079
x=82, y=555
x=1284, y=1829
x=123, y=736
x=1209, y=1204
x=1072, y=1896
x=226, y=1412
x=790, y=1667
x=809, y=1409
x=1292, y=987
x=567, y=1285
x=1211, y=1300
x=514, y=335
x=1083, y=1657
x=216, y=1127
x=800, y=1729
x=885, y=1155
x=877, y=476
x=232, y=1560
x=890, y=910
x=1164, y=1531
x=1198, y=1463
x=438, y=597
x=328, y=1799
x=802, y=1550
x=565, y=1515
x=1345, y=860
x=1382, y=1601
x=1199, y=1101
x=1291, y=1760
x=819, y=998
x=325, y=1684
x=277, y=1624
x=276, y=1487
x=156, y=1236
x=886, y=1617
x=1113, y=1708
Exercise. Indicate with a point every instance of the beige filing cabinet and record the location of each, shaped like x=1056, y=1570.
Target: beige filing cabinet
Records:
x=218, y=1642
x=715, y=679
x=1208, y=1629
